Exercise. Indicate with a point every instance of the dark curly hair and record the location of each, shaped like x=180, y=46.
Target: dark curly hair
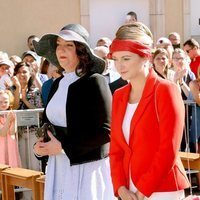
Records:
x=85, y=62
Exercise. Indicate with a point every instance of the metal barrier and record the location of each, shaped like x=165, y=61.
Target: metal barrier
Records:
x=191, y=118
x=31, y=117
x=26, y=119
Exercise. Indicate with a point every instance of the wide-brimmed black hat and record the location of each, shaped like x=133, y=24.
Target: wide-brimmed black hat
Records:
x=46, y=46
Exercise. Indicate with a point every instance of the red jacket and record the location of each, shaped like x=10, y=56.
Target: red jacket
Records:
x=152, y=153
x=194, y=65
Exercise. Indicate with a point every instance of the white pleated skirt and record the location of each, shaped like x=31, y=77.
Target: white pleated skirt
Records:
x=89, y=181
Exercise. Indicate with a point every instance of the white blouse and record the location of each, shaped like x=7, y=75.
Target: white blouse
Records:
x=57, y=114
x=130, y=110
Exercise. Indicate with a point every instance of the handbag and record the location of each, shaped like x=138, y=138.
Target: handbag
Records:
x=42, y=132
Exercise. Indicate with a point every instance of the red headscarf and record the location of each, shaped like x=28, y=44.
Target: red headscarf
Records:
x=129, y=45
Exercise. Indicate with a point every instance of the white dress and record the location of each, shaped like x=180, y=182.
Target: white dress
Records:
x=89, y=181
x=177, y=195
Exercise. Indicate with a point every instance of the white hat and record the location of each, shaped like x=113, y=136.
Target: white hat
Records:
x=7, y=62
x=163, y=41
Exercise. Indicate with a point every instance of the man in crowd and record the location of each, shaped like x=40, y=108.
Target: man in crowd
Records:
x=191, y=47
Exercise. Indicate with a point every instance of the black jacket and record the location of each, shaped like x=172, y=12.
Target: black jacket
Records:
x=117, y=84
x=88, y=111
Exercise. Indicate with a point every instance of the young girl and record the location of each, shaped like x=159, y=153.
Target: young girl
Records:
x=8, y=142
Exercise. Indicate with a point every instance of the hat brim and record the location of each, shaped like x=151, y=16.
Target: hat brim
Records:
x=46, y=47
x=8, y=63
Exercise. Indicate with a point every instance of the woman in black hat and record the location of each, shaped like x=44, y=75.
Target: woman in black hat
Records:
x=79, y=107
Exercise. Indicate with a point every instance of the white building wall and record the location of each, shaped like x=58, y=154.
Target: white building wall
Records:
x=107, y=15
x=195, y=17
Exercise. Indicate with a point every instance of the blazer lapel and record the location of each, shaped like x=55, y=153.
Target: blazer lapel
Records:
x=145, y=100
x=122, y=104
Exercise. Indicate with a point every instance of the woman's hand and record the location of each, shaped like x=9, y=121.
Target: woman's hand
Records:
x=35, y=67
x=35, y=75
x=16, y=82
x=53, y=147
x=178, y=76
x=24, y=93
x=139, y=195
x=9, y=123
x=126, y=194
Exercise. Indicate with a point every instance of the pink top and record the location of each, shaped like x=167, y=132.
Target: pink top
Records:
x=9, y=146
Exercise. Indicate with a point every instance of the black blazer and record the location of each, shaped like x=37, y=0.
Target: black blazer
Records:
x=88, y=111
x=117, y=84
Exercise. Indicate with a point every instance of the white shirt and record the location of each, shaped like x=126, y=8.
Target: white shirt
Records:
x=130, y=110
x=57, y=114
x=3, y=80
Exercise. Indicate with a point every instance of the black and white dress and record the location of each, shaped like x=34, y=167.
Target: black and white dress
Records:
x=89, y=181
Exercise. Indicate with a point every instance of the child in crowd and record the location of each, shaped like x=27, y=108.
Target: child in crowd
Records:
x=8, y=141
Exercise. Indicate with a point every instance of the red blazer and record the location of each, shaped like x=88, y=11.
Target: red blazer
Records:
x=152, y=153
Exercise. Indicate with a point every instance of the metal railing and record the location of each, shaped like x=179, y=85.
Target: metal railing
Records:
x=26, y=119
x=191, y=115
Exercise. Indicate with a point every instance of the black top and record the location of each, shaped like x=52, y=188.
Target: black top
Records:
x=117, y=84
x=88, y=111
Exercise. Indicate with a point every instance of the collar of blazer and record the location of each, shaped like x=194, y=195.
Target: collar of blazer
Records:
x=149, y=89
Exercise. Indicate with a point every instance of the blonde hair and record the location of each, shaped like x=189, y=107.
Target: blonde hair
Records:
x=10, y=96
x=136, y=31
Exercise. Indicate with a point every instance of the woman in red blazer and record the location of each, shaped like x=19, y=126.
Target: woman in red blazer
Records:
x=147, y=124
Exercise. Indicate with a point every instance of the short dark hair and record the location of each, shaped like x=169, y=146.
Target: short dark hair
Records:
x=192, y=43
x=132, y=14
